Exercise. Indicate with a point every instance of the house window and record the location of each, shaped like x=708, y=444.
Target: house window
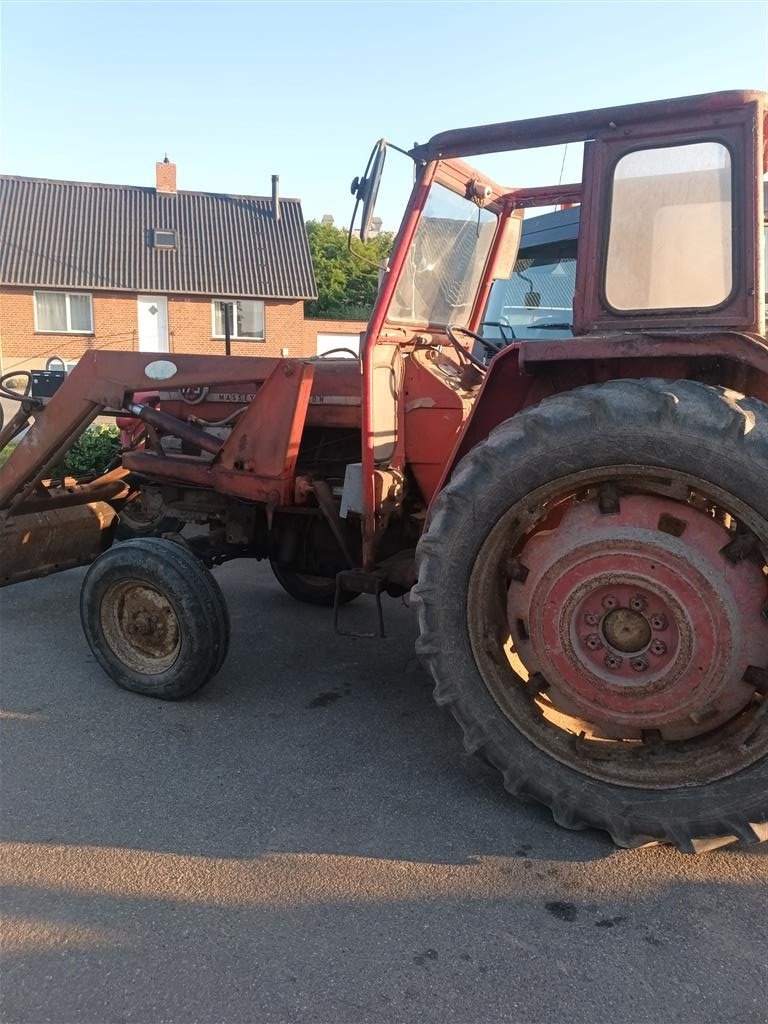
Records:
x=246, y=318
x=164, y=239
x=63, y=312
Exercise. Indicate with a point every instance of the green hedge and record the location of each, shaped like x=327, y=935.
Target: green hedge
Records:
x=92, y=451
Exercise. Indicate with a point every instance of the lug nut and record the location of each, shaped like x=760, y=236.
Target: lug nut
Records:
x=591, y=618
x=609, y=601
x=658, y=647
x=638, y=603
x=639, y=664
x=659, y=621
x=593, y=642
x=613, y=661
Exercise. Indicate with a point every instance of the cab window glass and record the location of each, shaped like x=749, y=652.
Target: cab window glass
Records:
x=670, y=238
x=442, y=271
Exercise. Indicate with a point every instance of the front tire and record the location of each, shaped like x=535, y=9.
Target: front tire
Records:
x=154, y=618
x=591, y=603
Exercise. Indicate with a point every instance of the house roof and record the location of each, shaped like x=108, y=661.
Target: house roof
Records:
x=74, y=234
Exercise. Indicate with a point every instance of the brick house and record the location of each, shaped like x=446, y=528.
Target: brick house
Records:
x=107, y=266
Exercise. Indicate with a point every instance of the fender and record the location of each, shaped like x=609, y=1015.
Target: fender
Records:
x=526, y=372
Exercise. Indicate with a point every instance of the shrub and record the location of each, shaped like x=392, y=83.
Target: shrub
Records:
x=92, y=451
x=5, y=454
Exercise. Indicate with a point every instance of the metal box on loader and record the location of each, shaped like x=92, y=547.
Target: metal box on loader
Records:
x=582, y=520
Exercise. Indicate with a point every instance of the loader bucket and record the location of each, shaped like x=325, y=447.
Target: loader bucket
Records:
x=36, y=544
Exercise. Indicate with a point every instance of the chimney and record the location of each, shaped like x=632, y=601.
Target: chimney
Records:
x=165, y=176
x=276, y=196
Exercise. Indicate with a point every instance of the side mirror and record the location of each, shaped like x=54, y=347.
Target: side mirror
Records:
x=366, y=189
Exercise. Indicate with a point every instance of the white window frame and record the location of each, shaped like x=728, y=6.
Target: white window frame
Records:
x=67, y=295
x=234, y=335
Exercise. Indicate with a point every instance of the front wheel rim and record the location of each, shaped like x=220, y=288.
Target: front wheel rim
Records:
x=140, y=626
x=617, y=644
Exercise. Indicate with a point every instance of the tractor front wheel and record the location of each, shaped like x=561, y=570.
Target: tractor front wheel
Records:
x=592, y=603
x=154, y=618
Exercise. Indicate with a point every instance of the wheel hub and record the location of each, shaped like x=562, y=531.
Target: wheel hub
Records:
x=635, y=629
x=626, y=631
x=141, y=626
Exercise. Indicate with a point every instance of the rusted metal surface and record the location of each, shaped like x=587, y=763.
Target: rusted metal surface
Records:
x=265, y=441
x=112, y=487
x=177, y=428
x=579, y=126
x=738, y=130
x=105, y=380
x=636, y=629
x=625, y=651
x=141, y=626
x=258, y=460
x=522, y=374
x=749, y=349
x=39, y=543
x=16, y=423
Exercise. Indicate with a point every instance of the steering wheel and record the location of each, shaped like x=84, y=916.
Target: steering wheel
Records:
x=490, y=347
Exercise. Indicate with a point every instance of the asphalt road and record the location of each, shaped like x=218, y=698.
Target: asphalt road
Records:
x=305, y=842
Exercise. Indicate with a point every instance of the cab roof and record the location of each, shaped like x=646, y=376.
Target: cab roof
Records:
x=580, y=126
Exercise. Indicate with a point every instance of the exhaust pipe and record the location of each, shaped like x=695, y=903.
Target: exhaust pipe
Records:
x=276, y=196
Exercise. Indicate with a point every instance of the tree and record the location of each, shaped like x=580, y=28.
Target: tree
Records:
x=347, y=282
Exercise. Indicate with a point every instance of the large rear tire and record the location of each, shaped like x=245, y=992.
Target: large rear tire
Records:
x=592, y=607
x=155, y=618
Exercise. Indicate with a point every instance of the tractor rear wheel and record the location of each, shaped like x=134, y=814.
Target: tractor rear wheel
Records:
x=155, y=618
x=593, y=603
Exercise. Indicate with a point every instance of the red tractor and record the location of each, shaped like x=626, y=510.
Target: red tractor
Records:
x=583, y=519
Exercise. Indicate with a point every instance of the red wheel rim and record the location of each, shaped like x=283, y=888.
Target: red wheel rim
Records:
x=636, y=629
x=629, y=638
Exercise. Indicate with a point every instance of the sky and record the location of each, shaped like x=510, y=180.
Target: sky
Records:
x=236, y=92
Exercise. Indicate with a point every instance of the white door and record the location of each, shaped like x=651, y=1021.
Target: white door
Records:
x=328, y=342
x=153, y=323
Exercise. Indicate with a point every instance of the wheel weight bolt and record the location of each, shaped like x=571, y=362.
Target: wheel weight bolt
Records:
x=593, y=642
x=659, y=621
x=591, y=618
x=638, y=603
x=613, y=661
x=609, y=601
x=658, y=647
x=639, y=664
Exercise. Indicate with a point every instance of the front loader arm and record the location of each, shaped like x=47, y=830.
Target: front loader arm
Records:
x=101, y=382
